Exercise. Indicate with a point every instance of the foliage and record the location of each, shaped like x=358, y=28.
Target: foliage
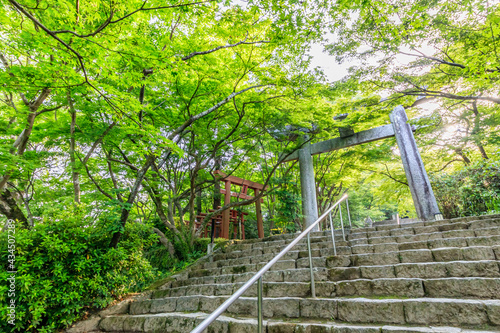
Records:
x=287, y=211
x=473, y=190
x=64, y=268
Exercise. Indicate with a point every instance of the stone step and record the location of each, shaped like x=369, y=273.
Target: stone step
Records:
x=185, y=322
x=468, y=287
x=486, y=230
x=286, y=238
x=428, y=223
x=472, y=253
x=488, y=236
x=415, y=230
x=415, y=311
x=321, y=259
x=482, y=268
x=326, y=249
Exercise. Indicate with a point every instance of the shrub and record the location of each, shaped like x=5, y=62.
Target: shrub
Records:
x=473, y=190
x=65, y=267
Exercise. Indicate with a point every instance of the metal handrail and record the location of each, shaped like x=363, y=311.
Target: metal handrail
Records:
x=258, y=276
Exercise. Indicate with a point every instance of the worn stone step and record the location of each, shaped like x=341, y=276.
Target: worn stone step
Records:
x=479, y=268
x=489, y=236
x=467, y=287
x=185, y=322
x=322, y=249
x=428, y=223
x=414, y=311
x=470, y=229
x=473, y=253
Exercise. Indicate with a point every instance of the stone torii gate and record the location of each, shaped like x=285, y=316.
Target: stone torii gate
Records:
x=418, y=181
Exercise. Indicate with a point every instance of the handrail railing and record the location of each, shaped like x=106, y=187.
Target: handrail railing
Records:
x=258, y=276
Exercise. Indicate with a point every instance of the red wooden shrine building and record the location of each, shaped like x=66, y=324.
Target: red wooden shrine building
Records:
x=230, y=217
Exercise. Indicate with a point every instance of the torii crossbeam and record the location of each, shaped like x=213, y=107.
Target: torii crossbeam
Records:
x=423, y=197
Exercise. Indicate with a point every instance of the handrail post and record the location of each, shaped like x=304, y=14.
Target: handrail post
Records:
x=348, y=212
x=333, y=235
x=341, y=221
x=311, y=268
x=259, y=306
x=259, y=275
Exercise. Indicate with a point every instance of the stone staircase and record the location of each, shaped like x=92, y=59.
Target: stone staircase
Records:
x=438, y=276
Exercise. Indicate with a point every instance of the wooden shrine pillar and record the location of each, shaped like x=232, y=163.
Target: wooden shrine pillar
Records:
x=225, y=214
x=258, y=211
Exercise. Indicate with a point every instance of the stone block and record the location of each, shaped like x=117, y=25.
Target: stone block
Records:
x=473, y=268
x=202, y=289
x=416, y=256
x=318, y=308
x=223, y=289
x=447, y=254
x=133, y=324
x=187, y=304
x=112, y=324
x=326, y=289
x=140, y=307
x=447, y=242
x=361, y=249
x=376, y=259
x=453, y=226
x=402, y=231
x=382, y=240
x=493, y=311
x=371, y=311
x=478, y=253
x=284, y=289
x=398, y=287
x=245, y=306
x=413, y=246
x=458, y=233
x=354, y=288
x=361, y=241
x=483, y=241
x=155, y=324
x=344, y=273
x=487, y=232
x=317, y=262
x=377, y=272
x=463, y=287
x=445, y=312
x=426, y=230
x=496, y=250
x=163, y=305
x=386, y=247
x=421, y=270
x=281, y=307
x=210, y=303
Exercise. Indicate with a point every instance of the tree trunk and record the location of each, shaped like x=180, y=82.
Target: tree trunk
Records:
x=217, y=195
x=476, y=130
x=164, y=240
x=130, y=201
x=461, y=153
x=75, y=175
x=9, y=208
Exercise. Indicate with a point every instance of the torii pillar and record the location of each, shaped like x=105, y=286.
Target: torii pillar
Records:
x=420, y=187
x=308, y=187
x=423, y=197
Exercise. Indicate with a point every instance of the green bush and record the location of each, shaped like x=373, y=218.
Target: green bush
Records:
x=65, y=267
x=474, y=190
